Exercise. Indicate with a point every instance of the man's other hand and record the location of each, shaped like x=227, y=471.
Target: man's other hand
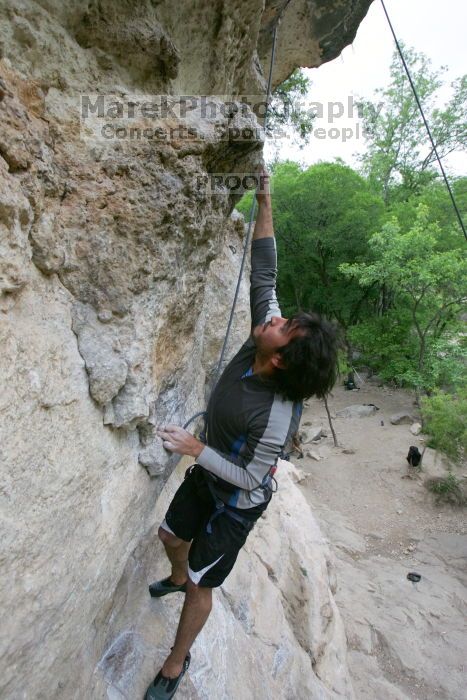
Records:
x=179, y=440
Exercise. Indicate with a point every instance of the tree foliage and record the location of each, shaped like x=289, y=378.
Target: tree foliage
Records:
x=323, y=216
x=445, y=419
x=399, y=157
x=428, y=286
x=438, y=202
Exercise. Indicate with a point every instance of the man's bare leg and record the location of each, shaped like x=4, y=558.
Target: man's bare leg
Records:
x=195, y=612
x=177, y=553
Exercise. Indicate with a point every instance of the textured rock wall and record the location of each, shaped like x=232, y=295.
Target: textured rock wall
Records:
x=116, y=273
x=274, y=631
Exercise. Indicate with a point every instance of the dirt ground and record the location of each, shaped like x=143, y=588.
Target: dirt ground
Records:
x=405, y=640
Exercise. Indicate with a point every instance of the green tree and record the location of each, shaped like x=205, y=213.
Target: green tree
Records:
x=436, y=198
x=445, y=419
x=399, y=157
x=323, y=216
x=429, y=292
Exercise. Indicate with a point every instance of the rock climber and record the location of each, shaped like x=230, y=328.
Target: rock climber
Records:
x=253, y=411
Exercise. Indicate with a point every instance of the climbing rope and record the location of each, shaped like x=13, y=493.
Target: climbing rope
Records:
x=246, y=247
x=406, y=68
x=253, y=204
x=250, y=225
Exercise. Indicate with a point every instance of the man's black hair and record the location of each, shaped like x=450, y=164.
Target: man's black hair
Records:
x=310, y=359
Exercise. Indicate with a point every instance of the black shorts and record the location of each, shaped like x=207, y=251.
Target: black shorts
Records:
x=215, y=542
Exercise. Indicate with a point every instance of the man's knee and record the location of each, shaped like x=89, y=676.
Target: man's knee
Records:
x=201, y=594
x=168, y=538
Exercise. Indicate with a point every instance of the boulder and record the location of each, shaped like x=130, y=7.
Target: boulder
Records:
x=401, y=418
x=357, y=411
x=375, y=379
x=310, y=434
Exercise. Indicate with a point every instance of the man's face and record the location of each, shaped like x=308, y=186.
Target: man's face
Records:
x=274, y=334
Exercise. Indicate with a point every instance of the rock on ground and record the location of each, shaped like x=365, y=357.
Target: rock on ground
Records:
x=401, y=418
x=309, y=434
x=357, y=411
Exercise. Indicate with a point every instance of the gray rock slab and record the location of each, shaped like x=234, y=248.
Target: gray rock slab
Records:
x=357, y=411
x=402, y=418
x=309, y=434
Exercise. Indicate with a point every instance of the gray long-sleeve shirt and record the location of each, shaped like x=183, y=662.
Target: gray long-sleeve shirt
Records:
x=248, y=422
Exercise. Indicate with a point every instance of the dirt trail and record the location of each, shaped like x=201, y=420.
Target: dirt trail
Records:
x=406, y=640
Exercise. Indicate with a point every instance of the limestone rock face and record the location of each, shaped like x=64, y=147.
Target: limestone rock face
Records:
x=117, y=270
x=274, y=630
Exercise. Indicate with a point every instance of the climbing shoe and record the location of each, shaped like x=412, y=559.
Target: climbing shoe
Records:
x=160, y=588
x=164, y=688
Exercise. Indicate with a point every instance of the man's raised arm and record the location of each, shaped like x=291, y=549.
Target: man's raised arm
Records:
x=263, y=225
x=263, y=299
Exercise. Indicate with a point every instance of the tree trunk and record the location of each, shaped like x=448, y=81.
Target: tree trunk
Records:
x=348, y=355
x=336, y=444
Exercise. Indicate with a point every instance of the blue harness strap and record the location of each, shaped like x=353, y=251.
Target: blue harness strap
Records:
x=227, y=511
x=222, y=508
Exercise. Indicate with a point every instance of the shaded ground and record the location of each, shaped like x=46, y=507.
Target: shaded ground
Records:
x=405, y=640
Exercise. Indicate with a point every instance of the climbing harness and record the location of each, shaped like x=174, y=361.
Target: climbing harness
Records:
x=221, y=507
x=414, y=90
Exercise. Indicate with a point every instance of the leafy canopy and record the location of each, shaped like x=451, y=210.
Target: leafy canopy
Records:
x=323, y=217
x=399, y=157
x=428, y=285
